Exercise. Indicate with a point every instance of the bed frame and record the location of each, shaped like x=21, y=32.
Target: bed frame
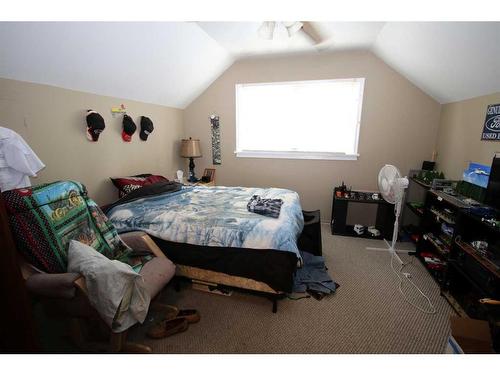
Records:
x=222, y=281
x=309, y=240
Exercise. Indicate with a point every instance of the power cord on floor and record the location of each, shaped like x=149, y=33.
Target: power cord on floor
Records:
x=407, y=275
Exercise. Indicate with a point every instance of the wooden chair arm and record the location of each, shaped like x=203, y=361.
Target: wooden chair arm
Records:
x=81, y=286
x=140, y=241
x=489, y=301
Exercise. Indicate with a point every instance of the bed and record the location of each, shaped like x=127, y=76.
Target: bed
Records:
x=210, y=235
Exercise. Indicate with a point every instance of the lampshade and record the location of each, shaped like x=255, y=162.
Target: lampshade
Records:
x=190, y=148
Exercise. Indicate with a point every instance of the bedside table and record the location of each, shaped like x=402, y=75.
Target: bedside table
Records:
x=200, y=183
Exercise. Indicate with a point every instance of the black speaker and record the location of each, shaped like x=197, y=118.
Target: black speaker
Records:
x=493, y=190
x=428, y=165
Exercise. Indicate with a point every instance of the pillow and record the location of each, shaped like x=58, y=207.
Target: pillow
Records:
x=127, y=184
x=119, y=294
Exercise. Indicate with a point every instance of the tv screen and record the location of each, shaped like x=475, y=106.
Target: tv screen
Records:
x=477, y=174
x=493, y=190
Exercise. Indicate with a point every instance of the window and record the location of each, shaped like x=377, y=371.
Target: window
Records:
x=299, y=120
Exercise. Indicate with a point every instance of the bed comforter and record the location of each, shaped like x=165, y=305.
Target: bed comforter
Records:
x=213, y=216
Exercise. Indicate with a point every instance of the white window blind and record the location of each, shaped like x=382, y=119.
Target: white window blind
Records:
x=306, y=119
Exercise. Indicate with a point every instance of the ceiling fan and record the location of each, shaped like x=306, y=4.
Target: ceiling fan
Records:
x=268, y=28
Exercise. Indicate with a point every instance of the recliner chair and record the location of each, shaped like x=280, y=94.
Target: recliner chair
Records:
x=63, y=293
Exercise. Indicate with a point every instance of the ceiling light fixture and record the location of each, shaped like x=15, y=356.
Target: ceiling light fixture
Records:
x=266, y=30
x=292, y=27
x=271, y=29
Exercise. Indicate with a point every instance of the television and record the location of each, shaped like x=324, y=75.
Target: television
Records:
x=493, y=190
x=477, y=174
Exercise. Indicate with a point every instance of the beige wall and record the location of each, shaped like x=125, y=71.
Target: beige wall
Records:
x=399, y=126
x=52, y=121
x=459, y=138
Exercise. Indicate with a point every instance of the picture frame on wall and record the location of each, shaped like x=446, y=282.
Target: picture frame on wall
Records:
x=215, y=135
x=491, y=127
x=208, y=175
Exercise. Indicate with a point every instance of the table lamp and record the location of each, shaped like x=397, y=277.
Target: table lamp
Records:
x=190, y=148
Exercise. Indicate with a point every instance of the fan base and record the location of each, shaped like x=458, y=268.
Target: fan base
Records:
x=391, y=250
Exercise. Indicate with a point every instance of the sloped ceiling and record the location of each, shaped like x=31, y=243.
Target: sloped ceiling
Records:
x=241, y=39
x=450, y=61
x=171, y=63
x=167, y=63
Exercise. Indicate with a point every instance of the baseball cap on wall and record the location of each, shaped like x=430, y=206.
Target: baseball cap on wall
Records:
x=129, y=128
x=95, y=125
x=146, y=128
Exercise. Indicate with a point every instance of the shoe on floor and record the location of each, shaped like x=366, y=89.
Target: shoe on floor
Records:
x=167, y=311
x=191, y=315
x=168, y=328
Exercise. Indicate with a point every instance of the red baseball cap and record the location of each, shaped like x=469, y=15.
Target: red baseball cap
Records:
x=129, y=128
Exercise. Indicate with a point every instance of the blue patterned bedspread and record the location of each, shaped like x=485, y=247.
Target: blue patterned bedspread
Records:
x=214, y=216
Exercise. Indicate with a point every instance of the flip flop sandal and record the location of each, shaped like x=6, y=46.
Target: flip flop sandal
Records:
x=191, y=315
x=168, y=328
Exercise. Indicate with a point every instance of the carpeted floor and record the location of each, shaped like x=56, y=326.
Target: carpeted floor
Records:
x=366, y=315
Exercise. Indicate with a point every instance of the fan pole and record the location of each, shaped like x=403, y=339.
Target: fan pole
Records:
x=392, y=246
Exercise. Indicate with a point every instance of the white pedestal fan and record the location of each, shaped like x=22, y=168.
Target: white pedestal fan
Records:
x=392, y=188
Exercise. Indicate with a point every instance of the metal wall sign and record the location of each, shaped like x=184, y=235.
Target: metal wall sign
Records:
x=216, y=155
x=491, y=129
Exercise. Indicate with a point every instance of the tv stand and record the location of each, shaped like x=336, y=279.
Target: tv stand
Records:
x=340, y=205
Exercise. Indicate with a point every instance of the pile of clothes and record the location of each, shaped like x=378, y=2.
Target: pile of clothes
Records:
x=264, y=206
x=312, y=278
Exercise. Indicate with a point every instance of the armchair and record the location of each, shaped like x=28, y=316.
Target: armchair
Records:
x=43, y=220
x=65, y=294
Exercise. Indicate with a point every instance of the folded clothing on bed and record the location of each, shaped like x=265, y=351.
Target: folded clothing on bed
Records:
x=265, y=206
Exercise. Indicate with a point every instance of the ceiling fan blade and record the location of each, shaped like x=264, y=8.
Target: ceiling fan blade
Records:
x=292, y=27
x=312, y=31
x=266, y=30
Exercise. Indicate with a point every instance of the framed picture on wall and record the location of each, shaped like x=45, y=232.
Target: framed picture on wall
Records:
x=208, y=175
x=491, y=128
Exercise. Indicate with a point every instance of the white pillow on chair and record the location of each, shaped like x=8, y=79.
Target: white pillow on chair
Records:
x=115, y=290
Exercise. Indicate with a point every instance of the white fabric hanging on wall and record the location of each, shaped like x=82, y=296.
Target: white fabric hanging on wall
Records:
x=18, y=162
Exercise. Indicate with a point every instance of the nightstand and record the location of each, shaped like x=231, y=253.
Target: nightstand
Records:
x=200, y=183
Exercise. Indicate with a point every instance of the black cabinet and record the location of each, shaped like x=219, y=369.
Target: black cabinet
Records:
x=438, y=230
x=449, y=228
x=384, y=220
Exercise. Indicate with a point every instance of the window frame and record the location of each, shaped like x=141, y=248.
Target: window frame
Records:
x=308, y=155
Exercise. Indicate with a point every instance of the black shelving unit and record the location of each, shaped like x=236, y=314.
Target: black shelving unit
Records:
x=421, y=183
x=384, y=220
x=436, y=243
x=419, y=212
x=466, y=275
x=411, y=216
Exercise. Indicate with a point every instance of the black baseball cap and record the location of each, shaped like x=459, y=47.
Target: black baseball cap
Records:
x=95, y=125
x=146, y=128
x=129, y=128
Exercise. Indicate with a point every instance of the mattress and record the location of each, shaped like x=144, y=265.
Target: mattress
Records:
x=272, y=267
x=210, y=228
x=213, y=217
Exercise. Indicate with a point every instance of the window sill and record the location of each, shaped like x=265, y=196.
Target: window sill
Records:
x=296, y=155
